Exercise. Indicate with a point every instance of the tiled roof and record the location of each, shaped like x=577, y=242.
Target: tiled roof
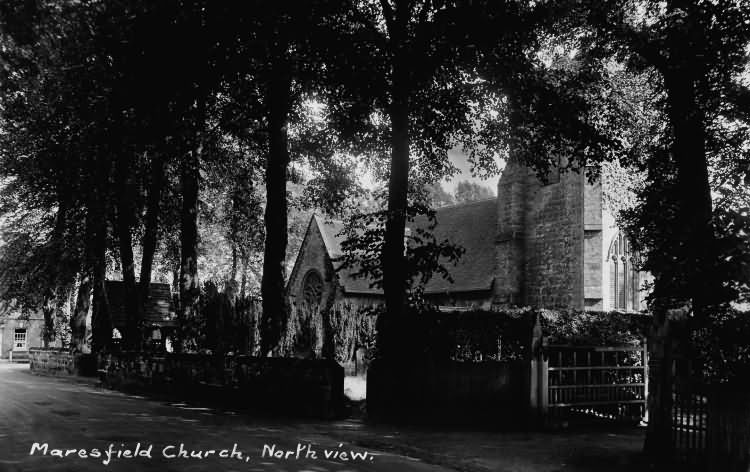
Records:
x=472, y=226
x=159, y=311
x=469, y=225
x=331, y=230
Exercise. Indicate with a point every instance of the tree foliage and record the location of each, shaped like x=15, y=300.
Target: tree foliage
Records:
x=467, y=191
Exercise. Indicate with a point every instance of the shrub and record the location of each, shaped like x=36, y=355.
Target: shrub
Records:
x=594, y=328
x=352, y=327
x=721, y=347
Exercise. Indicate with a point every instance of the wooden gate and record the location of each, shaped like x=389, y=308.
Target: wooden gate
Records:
x=709, y=422
x=596, y=382
x=690, y=422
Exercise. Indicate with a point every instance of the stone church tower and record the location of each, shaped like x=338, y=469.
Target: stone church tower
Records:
x=550, y=241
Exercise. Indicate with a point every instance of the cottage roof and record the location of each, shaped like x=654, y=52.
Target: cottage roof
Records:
x=469, y=225
x=159, y=310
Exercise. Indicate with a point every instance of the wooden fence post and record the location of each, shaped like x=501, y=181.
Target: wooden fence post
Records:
x=537, y=374
x=728, y=430
x=543, y=386
x=658, y=444
x=534, y=385
x=645, y=379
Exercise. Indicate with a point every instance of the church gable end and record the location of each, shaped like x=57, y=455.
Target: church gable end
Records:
x=312, y=263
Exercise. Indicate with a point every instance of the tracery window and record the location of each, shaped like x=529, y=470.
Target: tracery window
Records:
x=624, y=279
x=312, y=289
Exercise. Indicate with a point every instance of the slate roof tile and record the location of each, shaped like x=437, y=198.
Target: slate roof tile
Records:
x=469, y=225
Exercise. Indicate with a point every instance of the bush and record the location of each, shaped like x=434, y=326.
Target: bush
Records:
x=594, y=328
x=467, y=336
x=225, y=323
x=722, y=347
x=352, y=327
x=304, y=334
x=481, y=335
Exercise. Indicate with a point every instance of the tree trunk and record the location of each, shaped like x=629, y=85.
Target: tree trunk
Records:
x=243, y=282
x=658, y=442
x=233, y=273
x=151, y=231
x=274, y=255
x=63, y=311
x=176, y=284
x=50, y=301
x=133, y=314
x=48, y=311
x=101, y=324
x=97, y=226
x=393, y=257
x=694, y=225
x=80, y=313
x=694, y=242
x=189, y=285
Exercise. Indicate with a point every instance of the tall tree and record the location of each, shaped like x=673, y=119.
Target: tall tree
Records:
x=281, y=56
x=461, y=73
x=60, y=159
x=417, y=90
x=696, y=50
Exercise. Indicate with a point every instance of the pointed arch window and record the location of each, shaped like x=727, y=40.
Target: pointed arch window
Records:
x=312, y=289
x=624, y=291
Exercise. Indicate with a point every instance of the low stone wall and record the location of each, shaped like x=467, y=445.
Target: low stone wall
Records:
x=279, y=385
x=488, y=393
x=56, y=361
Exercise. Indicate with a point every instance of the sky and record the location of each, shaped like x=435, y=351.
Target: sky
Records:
x=459, y=159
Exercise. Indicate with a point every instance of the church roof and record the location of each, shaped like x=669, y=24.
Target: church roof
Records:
x=469, y=225
x=159, y=311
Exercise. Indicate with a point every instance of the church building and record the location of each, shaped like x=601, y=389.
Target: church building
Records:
x=550, y=244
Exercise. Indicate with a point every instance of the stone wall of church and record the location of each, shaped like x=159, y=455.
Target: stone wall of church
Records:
x=510, y=251
x=554, y=241
x=312, y=256
x=540, y=242
x=593, y=244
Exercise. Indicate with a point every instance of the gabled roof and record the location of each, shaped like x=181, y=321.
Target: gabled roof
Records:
x=159, y=310
x=472, y=226
x=331, y=231
x=469, y=225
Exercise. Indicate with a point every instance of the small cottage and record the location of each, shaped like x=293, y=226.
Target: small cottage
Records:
x=19, y=332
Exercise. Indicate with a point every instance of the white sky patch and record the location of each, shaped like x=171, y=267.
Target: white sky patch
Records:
x=461, y=161
x=458, y=159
